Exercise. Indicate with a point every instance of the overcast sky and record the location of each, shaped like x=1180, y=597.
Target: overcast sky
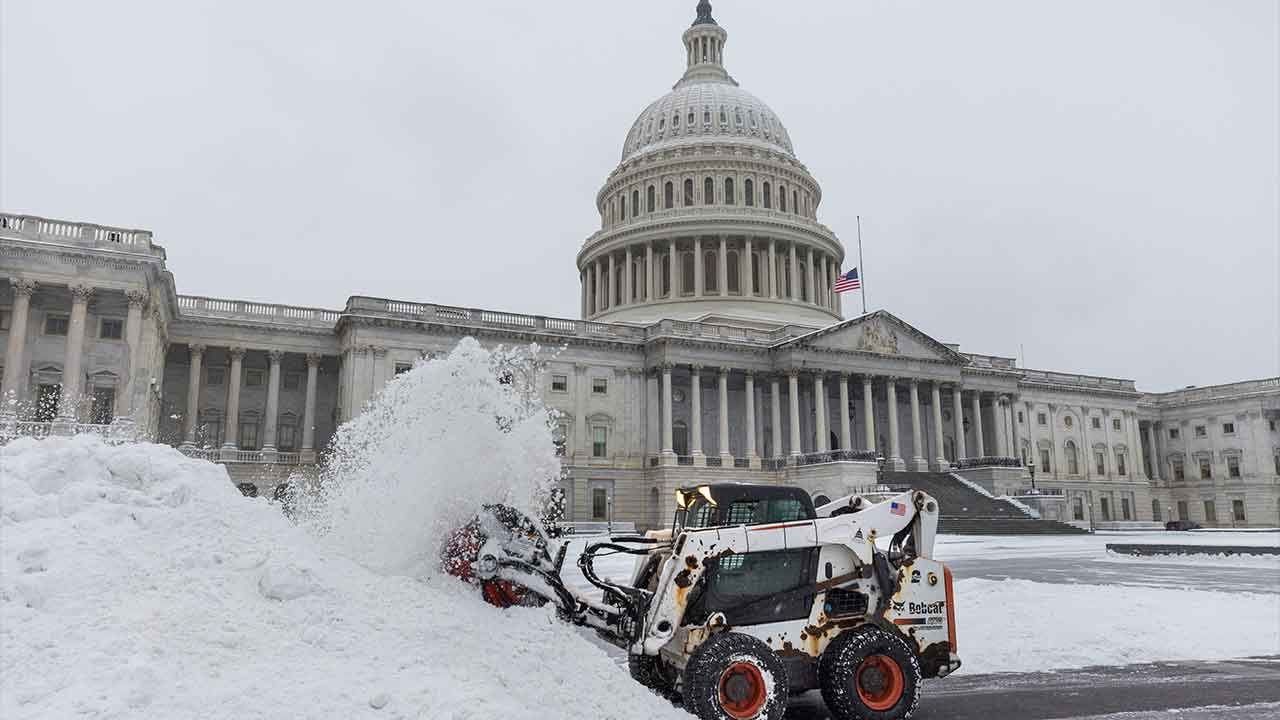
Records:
x=1094, y=181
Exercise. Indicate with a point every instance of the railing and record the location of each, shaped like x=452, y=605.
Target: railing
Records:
x=489, y=318
x=1089, y=381
x=741, y=463
x=715, y=461
x=774, y=463
x=707, y=331
x=288, y=458
x=199, y=453
x=653, y=461
x=46, y=229
x=986, y=462
x=32, y=428
x=990, y=362
x=195, y=306
x=710, y=213
x=686, y=460
x=831, y=456
x=1217, y=391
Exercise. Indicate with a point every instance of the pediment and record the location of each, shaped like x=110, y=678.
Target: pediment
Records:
x=878, y=333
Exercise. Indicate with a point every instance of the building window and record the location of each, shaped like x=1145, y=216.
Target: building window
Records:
x=559, y=383
x=1115, y=423
x=1077, y=509
x=6, y=321
x=293, y=381
x=1210, y=512
x=56, y=325
x=749, y=192
x=1100, y=462
x=635, y=203
x=1106, y=509
x=1096, y=422
x=1183, y=513
x=728, y=192
x=599, y=442
x=48, y=400
x=709, y=192
x=210, y=433
x=1276, y=458
x=1021, y=419
x=1273, y=425
x=1233, y=467
x=104, y=405
x=734, y=265
x=652, y=199
x=768, y=196
x=1125, y=512
x=1179, y=469
x=710, y=272
x=688, y=193
x=782, y=198
x=402, y=368
x=1174, y=433
x=668, y=196
x=1120, y=468
x=111, y=329
x=1042, y=418
x=249, y=435
x=599, y=504
x=1068, y=421
x=254, y=378
x=1206, y=470
x=1044, y=460
x=215, y=375
x=560, y=437
x=1155, y=509
x=287, y=434
x=1237, y=510
x=1228, y=428
x=1201, y=431
x=599, y=386
x=1073, y=462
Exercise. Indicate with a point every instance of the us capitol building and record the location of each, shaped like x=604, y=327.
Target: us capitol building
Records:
x=709, y=347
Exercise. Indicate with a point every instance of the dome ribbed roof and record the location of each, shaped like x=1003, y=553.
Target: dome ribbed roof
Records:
x=699, y=112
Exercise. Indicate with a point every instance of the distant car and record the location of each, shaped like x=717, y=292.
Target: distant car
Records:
x=1181, y=525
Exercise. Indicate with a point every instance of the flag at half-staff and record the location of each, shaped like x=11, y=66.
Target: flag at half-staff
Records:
x=848, y=281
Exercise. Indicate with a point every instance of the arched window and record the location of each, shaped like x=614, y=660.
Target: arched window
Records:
x=749, y=192
x=728, y=192
x=622, y=207
x=686, y=272
x=665, y=283
x=680, y=438
x=709, y=271
x=668, y=196
x=734, y=264
x=709, y=192
x=652, y=199
x=782, y=198
x=635, y=202
x=1073, y=459
x=688, y=193
x=795, y=202
x=755, y=273
x=768, y=197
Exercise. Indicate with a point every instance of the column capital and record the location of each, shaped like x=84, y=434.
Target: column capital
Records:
x=23, y=286
x=913, y=382
x=377, y=351
x=724, y=370
x=696, y=368
x=844, y=375
x=275, y=356
x=236, y=353
x=792, y=373
x=580, y=368
x=360, y=350
x=664, y=367
x=80, y=292
x=313, y=359
x=137, y=298
x=749, y=373
x=197, y=349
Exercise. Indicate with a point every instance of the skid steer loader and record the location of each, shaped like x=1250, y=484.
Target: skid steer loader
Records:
x=752, y=595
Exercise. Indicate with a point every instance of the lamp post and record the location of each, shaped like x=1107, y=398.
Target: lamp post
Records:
x=1032, y=467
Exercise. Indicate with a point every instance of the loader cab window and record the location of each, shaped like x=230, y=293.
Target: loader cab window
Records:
x=754, y=588
x=746, y=512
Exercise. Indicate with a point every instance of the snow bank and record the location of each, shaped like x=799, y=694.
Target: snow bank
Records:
x=135, y=582
x=1019, y=625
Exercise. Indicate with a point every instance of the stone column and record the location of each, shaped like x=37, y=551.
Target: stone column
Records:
x=869, y=412
x=581, y=391
x=193, y=396
x=958, y=419
x=1002, y=442
x=722, y=267
x=14, y=383
x=1151, y=450
x=583, y=309
x=274, y=357
x=595, y=287
x=650, y=289
x=795, y=275
x=775, y=413
x=821, y=436
x=231, y=419
x=309, y=412
x=695, y=413
x=668, y=442
x=1139, y=470
x=977, y=425
x=610, y=288
x=846, y=440
x=672, y=271
x=628, y=287
x=72, y=382
x=773, y=269
x=751, y=418
x=939, y=448
x=133, y=365
x=813, y=288
x=746, y=281
x=793, y=386
x=918, y=463
x=699, y=274
x=725, y=454
x=895, y=449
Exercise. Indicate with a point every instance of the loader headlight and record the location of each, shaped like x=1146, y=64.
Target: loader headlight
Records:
x=682, y=500
x=705, y=491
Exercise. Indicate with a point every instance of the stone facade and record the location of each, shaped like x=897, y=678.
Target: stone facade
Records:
x=710, y=349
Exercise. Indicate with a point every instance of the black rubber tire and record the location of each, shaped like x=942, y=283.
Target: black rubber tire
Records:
x=838, y=667
x=701, y=684
x=652, y=673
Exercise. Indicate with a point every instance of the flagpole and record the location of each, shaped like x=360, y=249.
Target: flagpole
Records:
x=862, y=268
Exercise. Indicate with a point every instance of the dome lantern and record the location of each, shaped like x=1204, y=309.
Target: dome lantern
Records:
x=704, y=49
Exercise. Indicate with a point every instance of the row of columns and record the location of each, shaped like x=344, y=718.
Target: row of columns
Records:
x=234, y=382
x=15, y=367
x=600, y=286
x=920, y=458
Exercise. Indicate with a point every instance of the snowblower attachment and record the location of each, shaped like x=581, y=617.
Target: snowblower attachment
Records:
x=732, y=618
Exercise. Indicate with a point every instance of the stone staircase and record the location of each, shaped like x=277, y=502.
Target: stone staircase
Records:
x=968, y=512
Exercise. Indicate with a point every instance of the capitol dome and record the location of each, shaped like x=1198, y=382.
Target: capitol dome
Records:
x=710, y=216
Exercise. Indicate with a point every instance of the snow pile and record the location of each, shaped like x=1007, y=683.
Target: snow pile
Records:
x=1019, y=625
x=135, y=582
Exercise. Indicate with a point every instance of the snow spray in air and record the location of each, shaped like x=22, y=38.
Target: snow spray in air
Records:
x=438, y=443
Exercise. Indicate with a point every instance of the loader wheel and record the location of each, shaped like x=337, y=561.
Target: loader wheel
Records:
x=652, y=673
x=870, y=674
x=735, y=677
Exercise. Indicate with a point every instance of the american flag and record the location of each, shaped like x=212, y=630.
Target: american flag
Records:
x=848, y=281
x=897, y=508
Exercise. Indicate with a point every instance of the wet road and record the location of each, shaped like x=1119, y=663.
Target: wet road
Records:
x=1237, y=689
x=1149, y=572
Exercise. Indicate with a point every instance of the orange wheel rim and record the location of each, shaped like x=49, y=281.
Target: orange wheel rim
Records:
x=742, y=691
x=880, y=682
